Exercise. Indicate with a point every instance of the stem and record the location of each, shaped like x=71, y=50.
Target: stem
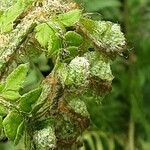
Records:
x=18, y=36
x=131, y=129
x=131, y=135
x=126, y=17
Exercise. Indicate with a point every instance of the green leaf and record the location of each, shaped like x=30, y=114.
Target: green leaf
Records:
x=43, y=34
x=3, y=110
x=73, y=38
x=1, y=12
x=57, y=26
x=11, y=95
x=54, y=45
x=16, y=78
x=46, y=89
x=72, y=52
x=93, y=103
x=28, y=99
x=104, y=34
x=93, y=6
x=78, y=106
x=2, y=86
x=99, y=66
x=19, y=134
x=70, y=18
x=2, y=134
x=76, y=74
x=1, y=127
x=11, y=124
x=10, y=15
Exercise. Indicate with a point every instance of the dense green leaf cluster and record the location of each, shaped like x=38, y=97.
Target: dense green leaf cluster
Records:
x=70, y=55
x=16, y=104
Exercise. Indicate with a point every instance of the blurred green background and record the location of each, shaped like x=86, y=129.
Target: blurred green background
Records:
x=125, y=113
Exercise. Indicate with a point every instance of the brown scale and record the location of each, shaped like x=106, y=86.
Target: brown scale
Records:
x=100, y=48
x=101, y=86
x=80, y=121
x=54, y=95
x=52, y=98
x=73, y=5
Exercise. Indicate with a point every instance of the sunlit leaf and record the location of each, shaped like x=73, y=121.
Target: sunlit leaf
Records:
x=54, y=45
x=16, y=78
x=10, y=95
x=11, y=124
x=2, y=86
x=43, y=34
x=57, y=26
x=70, y=18
x=10, y=15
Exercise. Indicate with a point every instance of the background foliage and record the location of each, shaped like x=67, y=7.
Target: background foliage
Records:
x=125, y=112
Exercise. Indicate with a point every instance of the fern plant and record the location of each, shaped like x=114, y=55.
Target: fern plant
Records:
x=77, y=53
